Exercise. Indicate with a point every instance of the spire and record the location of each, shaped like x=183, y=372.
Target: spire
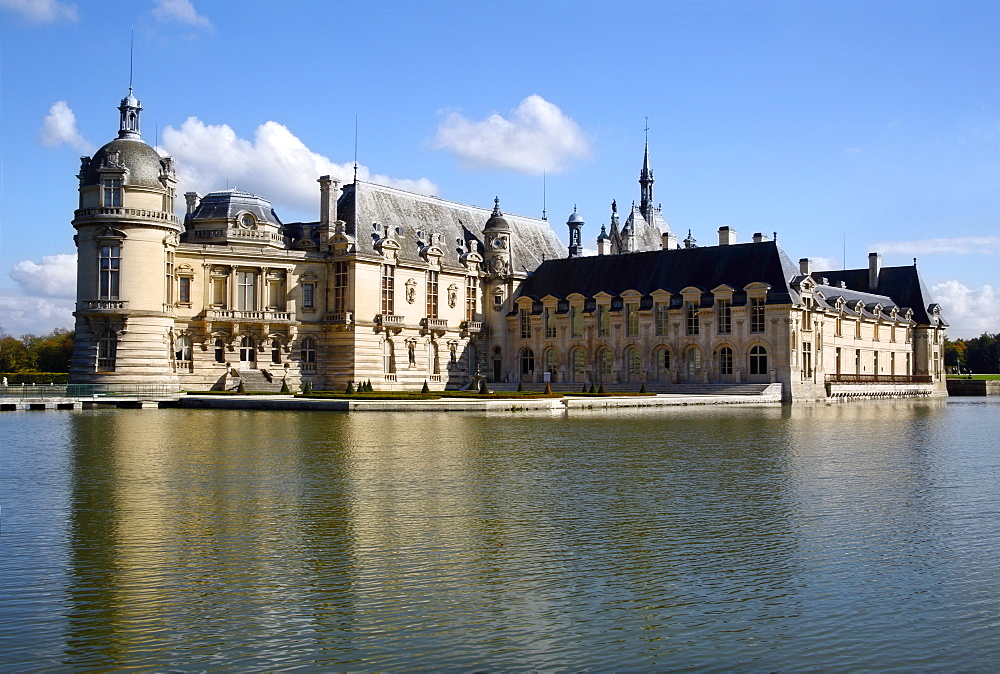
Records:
x=646, y=182
x=128, y=125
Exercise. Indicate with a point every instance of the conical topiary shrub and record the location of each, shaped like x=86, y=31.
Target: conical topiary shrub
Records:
x=350, y=388
x=601, y=390
x=483, y=388
x=593, y=388
x=520, y=387
x=241, y=388
x=548, y=388
x=307, y=388
x=584, y=389
x=643, y=389
x=284, y=386
x=425, y=389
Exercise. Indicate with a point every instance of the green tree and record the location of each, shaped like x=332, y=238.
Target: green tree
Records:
x=14, y=357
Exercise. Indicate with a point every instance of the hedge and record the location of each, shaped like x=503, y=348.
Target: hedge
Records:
x=36, y=378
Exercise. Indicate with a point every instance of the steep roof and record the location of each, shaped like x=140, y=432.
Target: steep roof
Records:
x=672, y=270
x=227, y=204
x=648, y=235
x=903, y=284
x=411, y=218
x=144, y=164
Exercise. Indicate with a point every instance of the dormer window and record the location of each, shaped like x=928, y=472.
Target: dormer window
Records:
x=112, y=192
x=247, y=221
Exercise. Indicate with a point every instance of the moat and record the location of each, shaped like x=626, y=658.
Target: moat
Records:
x=846, y=536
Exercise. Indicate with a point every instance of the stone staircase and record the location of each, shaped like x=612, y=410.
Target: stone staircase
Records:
x=651, y=387
x=258, y=380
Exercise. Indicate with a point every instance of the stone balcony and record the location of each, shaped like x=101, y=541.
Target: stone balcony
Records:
x=338, y=318
x=472, y=327
x=121, y=213
x=393, y=322
x=240, y=316
x=434, y=324
x=103, y=306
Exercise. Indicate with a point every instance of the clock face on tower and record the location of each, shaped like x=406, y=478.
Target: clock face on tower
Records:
x=499, y=243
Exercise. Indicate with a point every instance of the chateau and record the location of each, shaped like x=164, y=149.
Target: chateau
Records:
x=403, y=289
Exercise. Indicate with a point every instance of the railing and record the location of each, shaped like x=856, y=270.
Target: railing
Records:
x=472, y=326
x=127, y=212
x=879, y=379
x=250, y=316
x=230, y=233
x=88, y=390
x=338, y=317
x=434, y=378
x=389, y=320
x=435, y=323
x=309, y=368
x=103, y=305
x=390, y=377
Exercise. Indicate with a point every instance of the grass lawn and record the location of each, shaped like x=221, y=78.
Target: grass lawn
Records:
x=987, y=377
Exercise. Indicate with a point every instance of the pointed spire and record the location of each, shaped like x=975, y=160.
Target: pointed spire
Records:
x=128, y=123
x=496, y=206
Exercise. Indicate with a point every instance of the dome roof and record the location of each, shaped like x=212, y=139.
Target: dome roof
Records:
x=575, y=217
x=228, y=204
x=144, y=164
x=497, y=223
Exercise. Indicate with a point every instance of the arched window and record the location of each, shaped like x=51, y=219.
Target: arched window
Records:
x=692, y=361
x=552, y=362
x=604, y=365
x=662, y=364
x=248, y=352
x=276, y=352
x=725, y=361
x=107, y=350
x=633, y=363
x=308, y=353
x=389, y=356
x=433, y=357
x=527, y=361
x=578, y=360
x=758, y=360
x=182, y=352
x=220, y=351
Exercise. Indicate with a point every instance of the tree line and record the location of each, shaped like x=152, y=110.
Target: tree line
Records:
x=31, y=353
x=980, y=355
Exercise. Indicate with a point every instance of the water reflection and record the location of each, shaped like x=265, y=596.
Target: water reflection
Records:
x=826, y=536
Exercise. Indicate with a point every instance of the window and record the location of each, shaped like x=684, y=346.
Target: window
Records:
x=604, y=365
x=857, y=329
x=633, y=363
x=388, y=289
x=552, y=362
x=691, y=313
x=339, y=286
x=471, y=292
x=110, y=266
x=248, y=350
x=107, y=350
x=724, y=310
x=857, y=361
x=527, y=361
x=578, y=360
x=892, y=363
x=550, y=325
x=169, y=271
x=276, y=352
x=307, y=351
x=631, y=319
x=525, y=320
x=184, y=290
x=840, y=327
x=758, y=360
x=112, y=192
x=389, y=356
x=725, y=361
x=877, y=331
x=246, y=289
x=576, y=321
x=182, y=352
x=807, y=360
x=220, y=351
x=434, y=358
x=663, y=364
x=662, y=318
x=276, y=294
x=838, y=361
x=432, y=294
x=807, y=314
x=603, y=321
x=756, y=314
x=219, y=292
x=308, y=295
x=892, y=333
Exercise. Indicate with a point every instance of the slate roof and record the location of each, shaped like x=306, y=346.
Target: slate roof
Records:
x=144, y=164
x=226, y=204
x=903, y=285
x=411, y=217
x=648, y=235
x=672, y=270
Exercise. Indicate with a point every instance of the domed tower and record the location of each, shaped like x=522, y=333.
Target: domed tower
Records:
x=496, y=232
x=127, y=233
x=575, y=224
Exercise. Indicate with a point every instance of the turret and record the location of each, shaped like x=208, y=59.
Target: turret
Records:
x=496, y=233
x=575, y=224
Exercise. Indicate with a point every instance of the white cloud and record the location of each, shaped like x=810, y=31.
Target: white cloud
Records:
x=969, y=311
x=59, y=126
x=852, y=150
x=537, y=137
x=181, y=11
x=20, y=315
x=962, y=245
x=276, y=164
x=821, y=263
x=42, y=11
x=54, y=277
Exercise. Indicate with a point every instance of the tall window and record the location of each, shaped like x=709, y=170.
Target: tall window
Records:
x=758, y=360
x=170, y=277
x=604, y=364
x=220, y=351
x=662, y=318
x=248, y=350
x=576, y=321
x=107, y=350
x=276, y=352
x=184, y=290
x=724, y=309
x=112, y=192
x=663, y=364
x=550, y=325
x=857, y=328
x=603, y=321
x=578, y=360
x=525, y=320
x=340, y=286
x=471, y=292
x=552, y=362
x=725, y=361
x=840, y=327
x=276, y=294
x=806, y=360
x=182, y=352
x=527, y=361
x=857, y=361
x=633, y=363
x=246, y=289
x=388, y=289
x=110, y=268
x=308, y=295
x=631, y=319
x=691, y=313
x=432, y=294
x=389, y=356
x=219, y=291
x=756, y=314
x=307, y=352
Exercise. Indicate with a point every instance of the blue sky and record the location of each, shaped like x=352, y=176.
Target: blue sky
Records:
x=843, y=126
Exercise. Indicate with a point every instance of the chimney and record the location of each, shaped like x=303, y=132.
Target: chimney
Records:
x=192, y=199
x=805, y=266
x=328, y=188
x=759, y=238
x=874, y=267
x=669, y=241
x=727, y=237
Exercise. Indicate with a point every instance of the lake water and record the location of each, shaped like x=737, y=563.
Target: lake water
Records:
x=843, y=537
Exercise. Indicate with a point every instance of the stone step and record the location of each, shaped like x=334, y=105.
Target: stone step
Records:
x=260, y=380
x=651, y=387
